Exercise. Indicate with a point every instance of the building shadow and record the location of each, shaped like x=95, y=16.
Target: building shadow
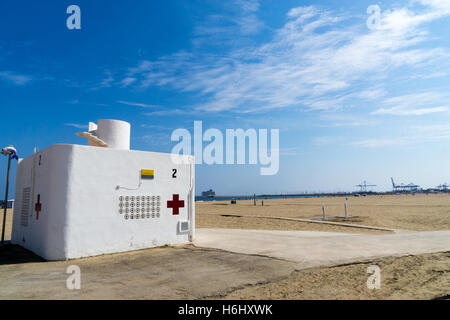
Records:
x=14, y=254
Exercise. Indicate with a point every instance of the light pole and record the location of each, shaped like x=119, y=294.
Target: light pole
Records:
x=11, y=153
x=6, y=200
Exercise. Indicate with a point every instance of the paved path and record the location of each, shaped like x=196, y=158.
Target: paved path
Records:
x=315, y=249
x=182, y=272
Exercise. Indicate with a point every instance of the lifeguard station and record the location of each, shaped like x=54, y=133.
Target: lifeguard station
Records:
x=76, y=201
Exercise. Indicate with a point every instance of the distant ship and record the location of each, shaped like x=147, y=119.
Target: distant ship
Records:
x=210, y=193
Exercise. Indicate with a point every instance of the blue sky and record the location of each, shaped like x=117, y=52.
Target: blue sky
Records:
x=351, y=103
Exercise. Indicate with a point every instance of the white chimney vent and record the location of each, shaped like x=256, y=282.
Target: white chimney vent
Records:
x=108, y=134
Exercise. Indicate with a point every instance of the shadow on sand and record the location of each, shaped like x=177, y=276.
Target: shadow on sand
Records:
x=14, y=254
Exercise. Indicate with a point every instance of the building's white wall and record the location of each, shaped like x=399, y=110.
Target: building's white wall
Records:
x=81, y=216
x=46, y=173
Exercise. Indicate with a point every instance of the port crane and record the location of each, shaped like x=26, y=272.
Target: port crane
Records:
x=364, y=186
x=404, y=187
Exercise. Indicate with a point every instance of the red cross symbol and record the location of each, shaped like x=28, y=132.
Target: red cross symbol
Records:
x=38, y=206
x=175, y=204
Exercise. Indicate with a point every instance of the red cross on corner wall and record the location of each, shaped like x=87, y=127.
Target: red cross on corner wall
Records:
x=38, y=206
x=175, y=204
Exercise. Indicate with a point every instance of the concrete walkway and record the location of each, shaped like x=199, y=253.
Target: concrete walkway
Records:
x=316, y=249
x=182, y=272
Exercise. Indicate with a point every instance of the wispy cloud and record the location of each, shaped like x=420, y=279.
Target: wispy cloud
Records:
x=292, y=151
x=418, y=134
x=78, y=126
x=16, y=78
x=411, y=135
x=106, y=82
x=153, y=126
x=238, y=19
x=157, y=139
x=414, y=104
x=343, y=120
x=169, y=112
x=326, y=140
x=442, y=5
x=309, y=63
x=137, y=104
x=379, y=143
x=410, y=112
x=127, y=81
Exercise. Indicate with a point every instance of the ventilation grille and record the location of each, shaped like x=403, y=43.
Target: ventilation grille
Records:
x=140, y=207
x=183, y=226
x=25, y=211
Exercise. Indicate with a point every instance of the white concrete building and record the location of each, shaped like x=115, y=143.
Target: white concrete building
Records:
x=75, y=201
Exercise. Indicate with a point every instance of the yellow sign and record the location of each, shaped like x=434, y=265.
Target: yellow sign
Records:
x=147, y=174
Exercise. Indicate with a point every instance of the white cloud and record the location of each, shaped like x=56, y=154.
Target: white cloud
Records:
x=168, y=112
x=443, y=5
x=137, y=104
x=418, y=134
x=433, y=128
x=327, y=140
x=417, y=99
x=433, y=132
x=411, y=135
x=127, y=81
x=107, y=81
x=293, y=151
x=238, y=19
x=414, y=104
x=157, y=138
x=78, y=126
x=342, y=120
x=409, y=112
x=372, y=94
x=379, y=143
x=309, y=63
x=16, y=78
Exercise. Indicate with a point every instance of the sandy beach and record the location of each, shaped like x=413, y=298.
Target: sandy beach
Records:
x=407, y=212
x=9, y=219
x=425, y=276
x=422, y=277
x=413, y=277
x=418, y=212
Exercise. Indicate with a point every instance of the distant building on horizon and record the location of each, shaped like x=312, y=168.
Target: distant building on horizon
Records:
x=210, y=193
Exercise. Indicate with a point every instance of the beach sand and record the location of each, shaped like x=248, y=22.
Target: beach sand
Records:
x=414, y=277
x=421, y=277
x=419, y=212
x=8, y=227
x=409, y=212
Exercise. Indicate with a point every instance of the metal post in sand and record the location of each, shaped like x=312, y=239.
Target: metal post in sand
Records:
x=345, y=206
